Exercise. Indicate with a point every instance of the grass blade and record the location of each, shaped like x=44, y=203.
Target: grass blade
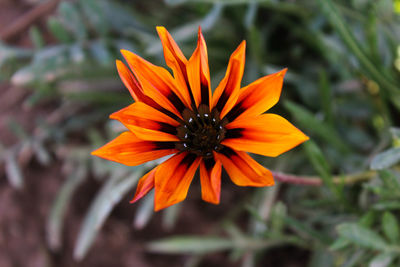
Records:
x=111, y=193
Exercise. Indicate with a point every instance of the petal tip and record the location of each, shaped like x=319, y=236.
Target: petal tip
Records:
x=282, y=72
x=213, y=201
x=240, y=52
x=272, y=181
x=243, y=44
x=121, y=68
x=96, y=152
x=305, y=138
x=101, y=152
x=126, y=53
x=138, y=195
x=200, y=35
x=134, y=199
x=158, y=207
x=122, y=51
x=161, y=30
x=114, y=116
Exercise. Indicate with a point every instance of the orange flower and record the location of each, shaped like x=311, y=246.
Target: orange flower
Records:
x=180, y=115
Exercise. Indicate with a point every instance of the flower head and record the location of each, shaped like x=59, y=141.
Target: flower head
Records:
x=180, y=115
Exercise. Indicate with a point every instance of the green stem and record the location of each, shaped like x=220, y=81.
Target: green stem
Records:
x=317, y=181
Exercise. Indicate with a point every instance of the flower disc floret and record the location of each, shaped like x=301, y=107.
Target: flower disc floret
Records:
x=201, y=132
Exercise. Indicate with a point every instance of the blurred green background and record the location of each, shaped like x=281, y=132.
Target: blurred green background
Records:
x=59, y=84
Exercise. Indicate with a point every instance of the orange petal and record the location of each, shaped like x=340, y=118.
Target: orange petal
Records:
x=147, y=123
x=129, y=81
x=176, y=61
x=142, y=110
x=199, y=74
x=173, y=178
x=210, y=177
x=146, y=183
x=130, y=150
x=227, y=92
x=157, y=83
x=135, y=88
x=259, y=96
x=150, y=130
x=266, y=134
x=243, y=170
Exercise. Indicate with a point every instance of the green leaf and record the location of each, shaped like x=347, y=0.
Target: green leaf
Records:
x=368, y=219
x=321, y=257
x=55, y=221
x=347, y=35
x=95, y=13
x=170, y=216
x=121, y=19
x=101, y=53
x=36, y=37
x=277, y=222
x=361, y=236
x=304, y=229
x=110, y=195
x=18, y=130
x=72, y=20
x=386, y=159
x=339, y=244
x=227, y=2
x=308, y=121
x=391, y=181
x=371, y=28
x=395, y=132
x=13, y=170
x=387, y=205
x=325, y=92
x=58, y=30
x=381, y=260
x=256, y=45
x=188, y=30
x=355, y=258
x=321, y=166
x=48, y=64
x=390, y=227
x=77, y=54
x=251, y=15
x=43, y=156
x=190, y=244
x=10, y=54
x=144, y=211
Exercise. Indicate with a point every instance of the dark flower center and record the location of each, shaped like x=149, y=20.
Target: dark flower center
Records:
x=201, y=132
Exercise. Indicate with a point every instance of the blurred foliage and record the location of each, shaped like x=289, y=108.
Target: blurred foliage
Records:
x=342, y=89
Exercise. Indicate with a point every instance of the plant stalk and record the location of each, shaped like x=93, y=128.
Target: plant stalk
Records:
x=317, y=181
